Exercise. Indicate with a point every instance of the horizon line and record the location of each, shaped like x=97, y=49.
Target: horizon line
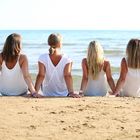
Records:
x=71, y=29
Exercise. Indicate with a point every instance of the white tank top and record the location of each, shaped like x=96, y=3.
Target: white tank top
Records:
x=12, y=82
x=132, y=83
x=97, y=87
x=54, y=82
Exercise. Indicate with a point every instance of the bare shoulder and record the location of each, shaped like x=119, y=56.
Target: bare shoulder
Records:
x=106, y=65
x=84, y=61
x=106, y=62
x=123, y=63
x=22, y=58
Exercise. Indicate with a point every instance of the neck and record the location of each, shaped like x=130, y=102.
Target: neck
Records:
x=58, y=51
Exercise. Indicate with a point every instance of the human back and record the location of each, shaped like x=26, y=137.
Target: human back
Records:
x=98, y=86
x=129, y=81
x=14, y=77
x=96, y=72
x=54, y=70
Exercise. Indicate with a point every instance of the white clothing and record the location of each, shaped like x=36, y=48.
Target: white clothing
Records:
x=97, y=87
x=12, y=82
x=132, y=83
x=54, y=82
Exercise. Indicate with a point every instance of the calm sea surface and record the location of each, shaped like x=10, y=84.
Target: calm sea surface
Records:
x=75, y=45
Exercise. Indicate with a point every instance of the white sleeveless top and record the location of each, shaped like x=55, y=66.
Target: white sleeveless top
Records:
x=12, y=82
x=97, y=87
x=54, y=82
x=132, y=83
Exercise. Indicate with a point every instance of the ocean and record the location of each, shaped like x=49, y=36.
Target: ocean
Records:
x=75, y=43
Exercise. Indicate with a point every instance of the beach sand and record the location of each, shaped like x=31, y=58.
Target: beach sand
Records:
x=87, y=118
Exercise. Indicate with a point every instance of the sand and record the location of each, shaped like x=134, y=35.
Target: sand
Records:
x=88, y=118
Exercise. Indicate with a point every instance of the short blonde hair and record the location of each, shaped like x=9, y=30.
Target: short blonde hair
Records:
x=133, y=53
x=95, y=58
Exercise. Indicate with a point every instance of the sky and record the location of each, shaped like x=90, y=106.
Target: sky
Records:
x=70, y=14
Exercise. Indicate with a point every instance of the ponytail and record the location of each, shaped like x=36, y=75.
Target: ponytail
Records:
x=51, y=50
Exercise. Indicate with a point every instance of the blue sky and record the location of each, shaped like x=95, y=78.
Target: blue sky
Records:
x=70, y=14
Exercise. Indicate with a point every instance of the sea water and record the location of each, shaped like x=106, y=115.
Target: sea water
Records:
x=75, y=43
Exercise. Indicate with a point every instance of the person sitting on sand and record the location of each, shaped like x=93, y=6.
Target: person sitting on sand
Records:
x=54, y=74
x=96, y=72
x=128, y=83
x=14, y=75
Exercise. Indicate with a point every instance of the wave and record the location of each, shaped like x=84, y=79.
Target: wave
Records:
x=97, y=38
x=45, y=44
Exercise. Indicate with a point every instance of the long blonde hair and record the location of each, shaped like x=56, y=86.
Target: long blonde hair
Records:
x=95, y=58
x=133, y=53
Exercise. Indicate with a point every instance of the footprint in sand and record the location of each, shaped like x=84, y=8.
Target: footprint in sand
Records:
x=62, y=121
x=32, y=127
x=22, y=113
x=69, y=106
x=64, y=128
x=137, y=130
x=53, y=112
x=62, y=112
x=88, y=125
x=122, y=127
x=119, y=107
x=90, y=118
x=81, y=109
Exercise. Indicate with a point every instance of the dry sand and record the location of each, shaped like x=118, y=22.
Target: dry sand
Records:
x=88, y=118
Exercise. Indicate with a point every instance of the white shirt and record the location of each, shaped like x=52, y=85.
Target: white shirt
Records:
x=12, y=82
x=96, y=87
x=54, y=82
x=132, y=83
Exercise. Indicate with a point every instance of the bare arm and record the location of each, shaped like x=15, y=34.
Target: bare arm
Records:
x=109, y=76
x=26, y=75
x=69, y=80
x=122, y=77
x=85, y=76
x=40, y=76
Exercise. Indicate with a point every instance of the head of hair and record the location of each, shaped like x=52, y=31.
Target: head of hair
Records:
x=133, y=53
x=54, y=41
x=12, y=47
x=95, y=58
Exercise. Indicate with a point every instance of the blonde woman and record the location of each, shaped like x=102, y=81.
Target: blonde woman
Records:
x=55, y=71
x=129, y=81
x=96, y=72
